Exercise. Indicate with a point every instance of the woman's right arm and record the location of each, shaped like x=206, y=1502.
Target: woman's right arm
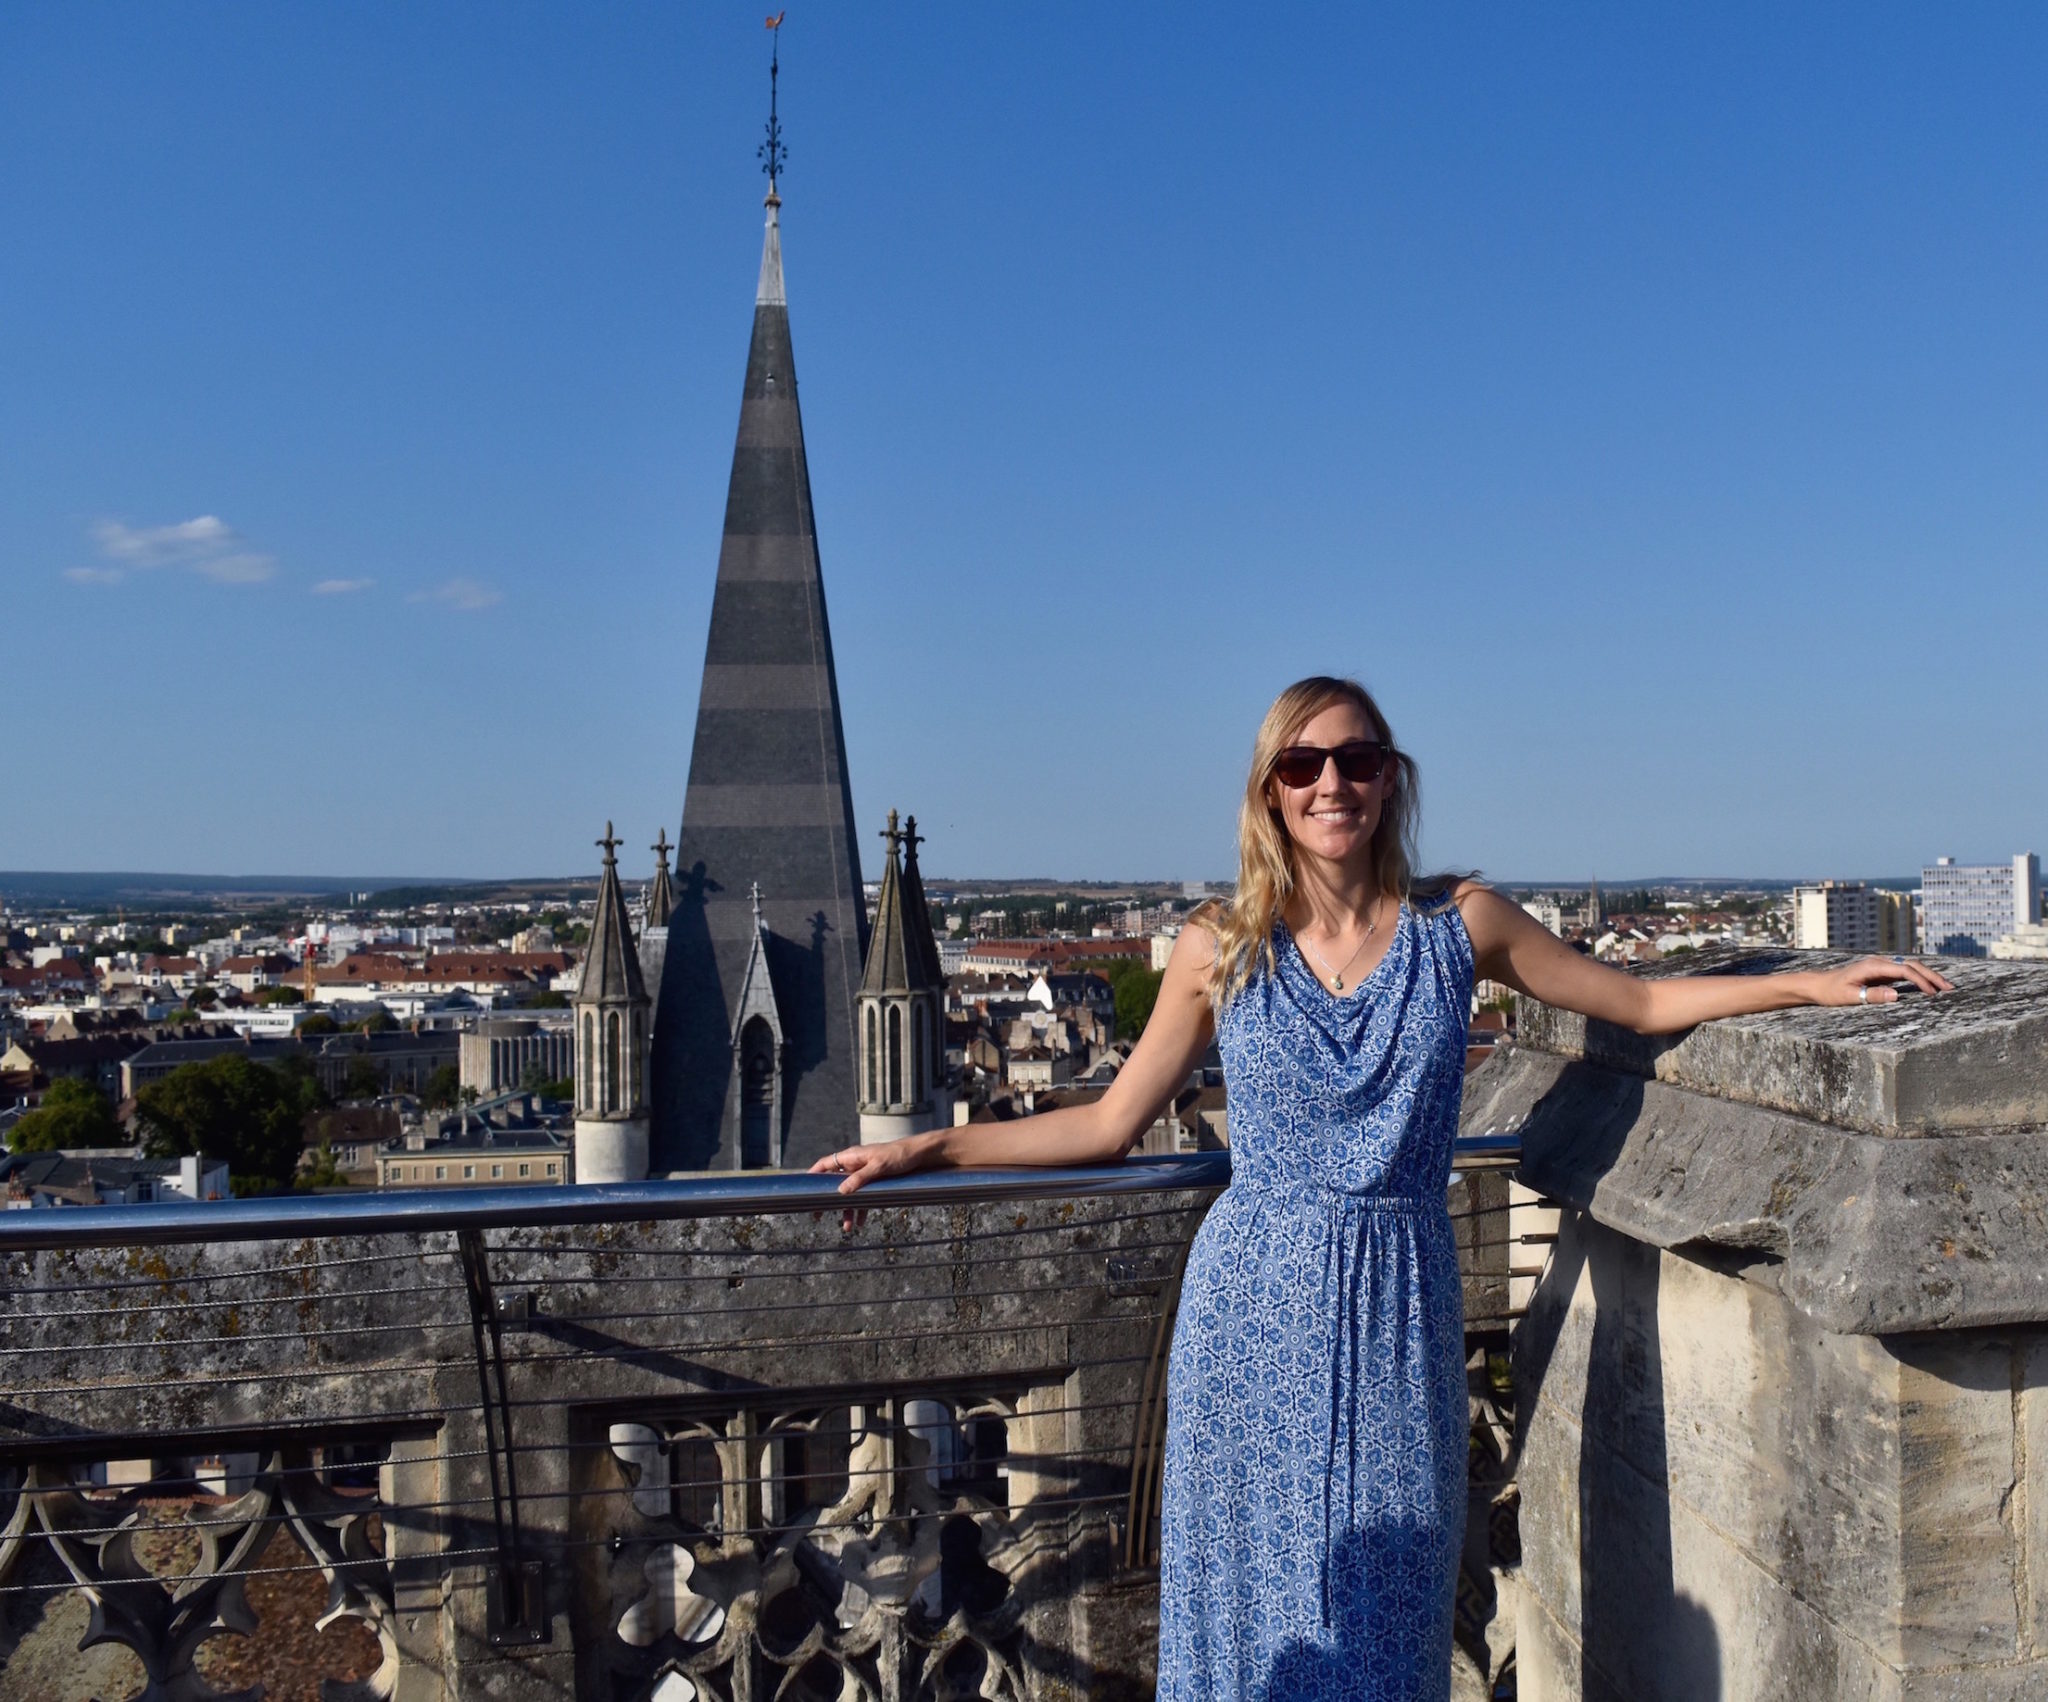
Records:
x=1178, y=1033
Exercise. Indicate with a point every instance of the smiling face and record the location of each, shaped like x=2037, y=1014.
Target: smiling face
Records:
x=1334, y=819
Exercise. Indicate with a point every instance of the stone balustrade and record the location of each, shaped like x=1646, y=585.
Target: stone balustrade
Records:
x=1782, y=1381
x=638, y=1444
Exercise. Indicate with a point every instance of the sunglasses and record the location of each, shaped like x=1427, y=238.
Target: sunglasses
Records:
x=1360, y=761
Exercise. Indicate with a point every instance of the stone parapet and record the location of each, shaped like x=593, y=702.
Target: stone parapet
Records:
x=1782, y=1384
x=754, y=1455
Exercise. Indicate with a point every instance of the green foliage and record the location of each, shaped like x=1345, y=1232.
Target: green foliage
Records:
x=442, y=1088
x=1137, y=991
x=547, y=999
x=379, y=1021
x=280, y=996
x=203, y=999
x=229, y=1107
x=73, y=1114
x=323, y=1170
x=319, y=1023
x=361, y=1080
x=534, y=1079
x=1115, y=969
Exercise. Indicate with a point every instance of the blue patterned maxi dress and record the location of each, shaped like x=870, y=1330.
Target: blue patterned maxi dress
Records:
x=1314, y=1493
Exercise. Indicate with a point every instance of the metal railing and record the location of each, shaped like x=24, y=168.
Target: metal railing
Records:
x=945, y=1421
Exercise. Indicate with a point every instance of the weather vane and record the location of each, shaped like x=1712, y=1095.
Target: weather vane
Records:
x=773, y=155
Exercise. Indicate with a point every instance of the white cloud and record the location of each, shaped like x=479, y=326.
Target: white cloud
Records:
x=341, y=587
x=206, y=545
x=466, y=594
x=157, y=546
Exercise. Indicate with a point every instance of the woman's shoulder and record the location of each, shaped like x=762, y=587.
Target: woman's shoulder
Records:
x=1445, y=904
x=1452, y=889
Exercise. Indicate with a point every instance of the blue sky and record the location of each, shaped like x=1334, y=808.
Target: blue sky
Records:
x=1645, y=401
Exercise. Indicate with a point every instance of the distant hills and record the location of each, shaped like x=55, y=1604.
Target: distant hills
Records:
x=56, y=888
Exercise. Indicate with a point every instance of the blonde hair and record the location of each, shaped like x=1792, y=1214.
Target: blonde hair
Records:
x=1265, y=851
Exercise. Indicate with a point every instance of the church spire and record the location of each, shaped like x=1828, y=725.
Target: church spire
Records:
x=901, y=1008
x=768, y=800
x=917, y=909
x=661, y=898
x=611, y=969
x=611, y=1023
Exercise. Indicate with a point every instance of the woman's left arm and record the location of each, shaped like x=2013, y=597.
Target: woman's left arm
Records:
x=1511, y=946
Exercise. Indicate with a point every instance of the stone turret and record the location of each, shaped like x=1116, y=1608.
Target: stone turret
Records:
x=661, y=898
x=612, y=1030
x=901, y=1008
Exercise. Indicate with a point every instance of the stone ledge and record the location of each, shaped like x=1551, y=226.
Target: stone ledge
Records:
x=1973, y=1059
x=1865, y=1234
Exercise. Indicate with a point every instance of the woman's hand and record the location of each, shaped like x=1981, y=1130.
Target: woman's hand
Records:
x=860, y=1165
x=857, y=1166
x=1868, y=981
x=871, y=1164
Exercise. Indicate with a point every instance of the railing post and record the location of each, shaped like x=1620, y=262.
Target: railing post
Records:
x=516, y=1587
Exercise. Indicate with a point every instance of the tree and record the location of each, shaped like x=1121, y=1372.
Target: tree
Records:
x=73, y=1114
x=319, y=1023
x=280, y=996
x=228, y=1107
x=1137, y=991
x=323, y=1170
x=442, y=1087
x=379, y=1021
x=203, y=999
x=547, y=999
x=361, y=1080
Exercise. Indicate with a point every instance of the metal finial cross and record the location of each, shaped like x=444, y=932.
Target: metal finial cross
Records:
x=772, y=154
x=912, y=839
x=660, y=848
x=610, y=842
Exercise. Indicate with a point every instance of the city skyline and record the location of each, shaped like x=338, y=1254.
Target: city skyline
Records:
x=1670, y=401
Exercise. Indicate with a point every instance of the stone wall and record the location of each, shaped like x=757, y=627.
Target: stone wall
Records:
x=755, y=1456
x=1782, y=1385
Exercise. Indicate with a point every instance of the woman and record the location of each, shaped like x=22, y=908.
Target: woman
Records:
x=1314, y=1498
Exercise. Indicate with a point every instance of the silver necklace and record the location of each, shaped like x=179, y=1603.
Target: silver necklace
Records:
x=1336, y=973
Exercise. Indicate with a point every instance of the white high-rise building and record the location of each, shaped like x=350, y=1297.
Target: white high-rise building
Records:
x=1968, y=906
x=1850, y=916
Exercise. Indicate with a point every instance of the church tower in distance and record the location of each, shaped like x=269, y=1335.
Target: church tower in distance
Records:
x=611, y=1015
x=768, y=805
x=902, y=1006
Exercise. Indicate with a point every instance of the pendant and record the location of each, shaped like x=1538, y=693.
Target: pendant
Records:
x=1337, y=981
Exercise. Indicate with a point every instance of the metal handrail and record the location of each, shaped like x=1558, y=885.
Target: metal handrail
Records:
x=414, y=1211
